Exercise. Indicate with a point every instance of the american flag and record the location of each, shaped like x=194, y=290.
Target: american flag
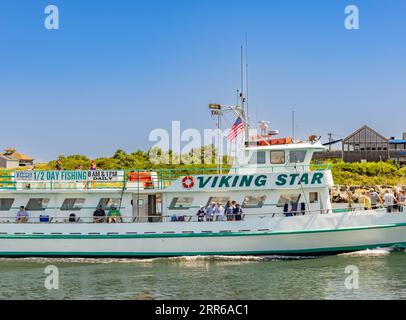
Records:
x=236, y=129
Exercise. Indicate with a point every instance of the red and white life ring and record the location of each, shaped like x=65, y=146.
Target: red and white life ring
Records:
x=188, y=182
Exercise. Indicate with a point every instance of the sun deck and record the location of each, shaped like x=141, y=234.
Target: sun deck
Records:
x=136, y=180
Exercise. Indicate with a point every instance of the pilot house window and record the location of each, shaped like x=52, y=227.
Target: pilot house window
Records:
x=278, y=157
x=258, y=157
x=296, y=156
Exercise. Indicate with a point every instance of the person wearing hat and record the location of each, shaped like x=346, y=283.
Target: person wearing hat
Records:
x=114, y=215
x=200, y=214
x=99, y=215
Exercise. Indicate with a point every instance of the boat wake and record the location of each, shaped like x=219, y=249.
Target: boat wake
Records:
x=180, y=259
x=241, y=258
x=378, y=252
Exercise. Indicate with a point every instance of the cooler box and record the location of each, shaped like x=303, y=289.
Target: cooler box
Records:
x=43, y=218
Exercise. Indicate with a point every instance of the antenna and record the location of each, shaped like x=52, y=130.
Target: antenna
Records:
x=246, y=72
x=293, y=124
x=242, y=73
x=330, y=135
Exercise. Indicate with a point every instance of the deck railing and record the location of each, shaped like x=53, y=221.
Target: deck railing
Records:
x=143, y=178
x=185, y=218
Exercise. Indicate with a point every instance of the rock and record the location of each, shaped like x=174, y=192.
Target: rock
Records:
x=344, y=194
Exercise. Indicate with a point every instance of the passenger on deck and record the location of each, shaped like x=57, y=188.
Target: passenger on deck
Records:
x=99, y=215
x=302, y=208
x=229, y=210
x=200, y=214
x=295, y=210
x=210, y=211
x=219, y=212
x=22, y=215
x=114, y=215
x=93, y=166
x=237, y=212
x=389, y=201
x=286, y=211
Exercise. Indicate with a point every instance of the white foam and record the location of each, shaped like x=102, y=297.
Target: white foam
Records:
x=182, y=259
x=377, y=252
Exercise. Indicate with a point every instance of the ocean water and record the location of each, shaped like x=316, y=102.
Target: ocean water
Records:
x=380, y=274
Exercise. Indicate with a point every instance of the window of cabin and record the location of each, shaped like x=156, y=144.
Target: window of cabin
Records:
x=6, y=203
x=37, y=204
x=181, y=203
x=253, y=201
x=277, y=157
x=258, y=157
x=288, y=198
x=72, y=204
x=222, y=200
x=107, y=203
x=314, y=197
x=296, y=156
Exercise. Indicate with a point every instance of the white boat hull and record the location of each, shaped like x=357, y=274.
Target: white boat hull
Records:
x=300, y=235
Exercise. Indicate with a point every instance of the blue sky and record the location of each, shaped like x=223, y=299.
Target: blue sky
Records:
x=115, y=70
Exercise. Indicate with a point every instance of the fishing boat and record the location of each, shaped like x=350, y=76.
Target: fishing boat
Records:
x=285, y=201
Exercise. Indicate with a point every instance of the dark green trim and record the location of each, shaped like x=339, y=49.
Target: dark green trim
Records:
x=188, y=235
x=171, y=254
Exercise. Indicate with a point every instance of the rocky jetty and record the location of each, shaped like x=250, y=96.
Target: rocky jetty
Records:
x=345, y=194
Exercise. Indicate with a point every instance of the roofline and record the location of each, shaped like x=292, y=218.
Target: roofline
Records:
x=365, y=127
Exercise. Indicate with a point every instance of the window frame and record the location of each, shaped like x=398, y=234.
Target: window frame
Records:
x=172, y=205
x=74, y=207
x=317, y=197
x=301, y=151
x=106, y=206
x=276, y=151
x=43, y=208
x=3, y=208
x=223, y=200
x=282, y=204
x=259, y=204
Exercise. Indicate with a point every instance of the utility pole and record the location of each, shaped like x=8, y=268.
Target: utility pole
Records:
x=330, y=135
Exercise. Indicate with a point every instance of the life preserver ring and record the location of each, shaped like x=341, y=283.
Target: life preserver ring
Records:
x=188, y=182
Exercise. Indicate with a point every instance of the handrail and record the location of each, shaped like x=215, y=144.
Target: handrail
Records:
x=161, y=218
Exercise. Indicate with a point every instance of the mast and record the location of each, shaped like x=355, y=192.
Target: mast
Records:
x=243, y=113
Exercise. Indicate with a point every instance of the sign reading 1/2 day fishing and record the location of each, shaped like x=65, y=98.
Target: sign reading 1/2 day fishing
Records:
x=254, y=181
x=67, y=175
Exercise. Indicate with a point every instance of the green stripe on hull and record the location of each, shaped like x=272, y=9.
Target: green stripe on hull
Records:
x=171, y=254
x=188, y=235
